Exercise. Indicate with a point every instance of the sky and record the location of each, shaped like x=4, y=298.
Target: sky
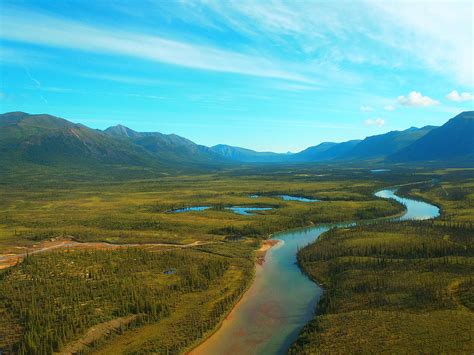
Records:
x=266, y=75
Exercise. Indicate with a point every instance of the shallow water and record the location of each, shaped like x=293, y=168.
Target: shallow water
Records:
x=297, y=198
x=281, y=300
x=290, y=198
x=191, y=209
x=247, y=211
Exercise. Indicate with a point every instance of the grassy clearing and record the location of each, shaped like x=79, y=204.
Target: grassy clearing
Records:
x=135, y=211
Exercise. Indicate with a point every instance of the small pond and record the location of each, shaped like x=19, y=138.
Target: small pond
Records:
x=191, y=209
x=247, y=211
x=290, y=198
x=297, y=198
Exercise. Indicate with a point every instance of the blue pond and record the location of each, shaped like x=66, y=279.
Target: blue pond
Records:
x=290, y=198
x=191, y=209
x=297, y=198
x=246, y=211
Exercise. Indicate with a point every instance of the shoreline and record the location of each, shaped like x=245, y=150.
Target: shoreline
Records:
x=259, y=261
x=264, y=248
x=200, y=348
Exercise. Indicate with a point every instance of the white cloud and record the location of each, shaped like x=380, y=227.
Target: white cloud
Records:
x=435, y=36
x=438, y=34
x=366, y=108
x=389, y=108
x=379, y=122
x=40, y=29
x=415, y=98
x=459, y=97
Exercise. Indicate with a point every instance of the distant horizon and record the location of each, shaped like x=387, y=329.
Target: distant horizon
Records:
x=224, y=143
x=278, y=77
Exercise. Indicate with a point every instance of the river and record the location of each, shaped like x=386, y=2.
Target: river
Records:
x=281, y=299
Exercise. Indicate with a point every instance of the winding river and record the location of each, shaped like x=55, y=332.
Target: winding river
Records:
x=282, y=299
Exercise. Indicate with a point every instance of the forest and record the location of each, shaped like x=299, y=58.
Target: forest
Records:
x=53, y=298
x=167, y=298
x=401, y=287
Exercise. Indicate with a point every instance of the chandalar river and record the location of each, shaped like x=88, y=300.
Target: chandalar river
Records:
x=281, y=299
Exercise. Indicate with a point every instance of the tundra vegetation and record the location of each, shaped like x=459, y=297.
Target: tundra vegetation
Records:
x=167, y=300
x=397, y=287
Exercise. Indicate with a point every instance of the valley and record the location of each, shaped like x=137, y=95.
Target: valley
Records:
x=236, y=177
x=123, y=242
x=97, y=215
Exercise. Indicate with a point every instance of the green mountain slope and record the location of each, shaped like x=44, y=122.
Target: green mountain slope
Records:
x=48, y=140
x=168, y=147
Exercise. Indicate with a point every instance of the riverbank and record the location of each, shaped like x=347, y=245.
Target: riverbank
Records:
x=260, y=322
x=206, y=345
x=262, y=252
x=391, y=288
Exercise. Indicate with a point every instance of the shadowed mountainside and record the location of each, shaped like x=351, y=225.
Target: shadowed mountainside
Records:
x=453, y=140
x=47, y=140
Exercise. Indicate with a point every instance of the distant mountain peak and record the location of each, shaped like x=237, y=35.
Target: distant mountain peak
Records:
x=453, y=141
x=50, y=140
x=121, y=131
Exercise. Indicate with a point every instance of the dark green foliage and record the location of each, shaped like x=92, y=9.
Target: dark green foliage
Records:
x=57, y=296
x=371, y=273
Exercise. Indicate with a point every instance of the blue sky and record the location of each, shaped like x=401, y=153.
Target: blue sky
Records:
x=267, y=75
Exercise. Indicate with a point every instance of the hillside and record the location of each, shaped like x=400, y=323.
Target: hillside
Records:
x=382, y=145
x=249, y=156
x=325, y=151
x=168, y=147
x=452, y=141
x=48, y=140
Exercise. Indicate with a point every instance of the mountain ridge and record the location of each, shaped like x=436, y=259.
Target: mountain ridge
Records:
x=453, y=140
x=48, y=140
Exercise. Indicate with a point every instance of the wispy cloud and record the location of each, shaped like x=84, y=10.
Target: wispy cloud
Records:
x=459, y=97
x=366, y=108
x=37, y=85
x=436, y=34
x=126, y=79
x=379, y=122
x=389, y=108
x=415, y=98
x=45, y=30
x=437, y=37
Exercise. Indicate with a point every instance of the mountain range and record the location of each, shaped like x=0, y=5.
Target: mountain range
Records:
x=51, y=141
